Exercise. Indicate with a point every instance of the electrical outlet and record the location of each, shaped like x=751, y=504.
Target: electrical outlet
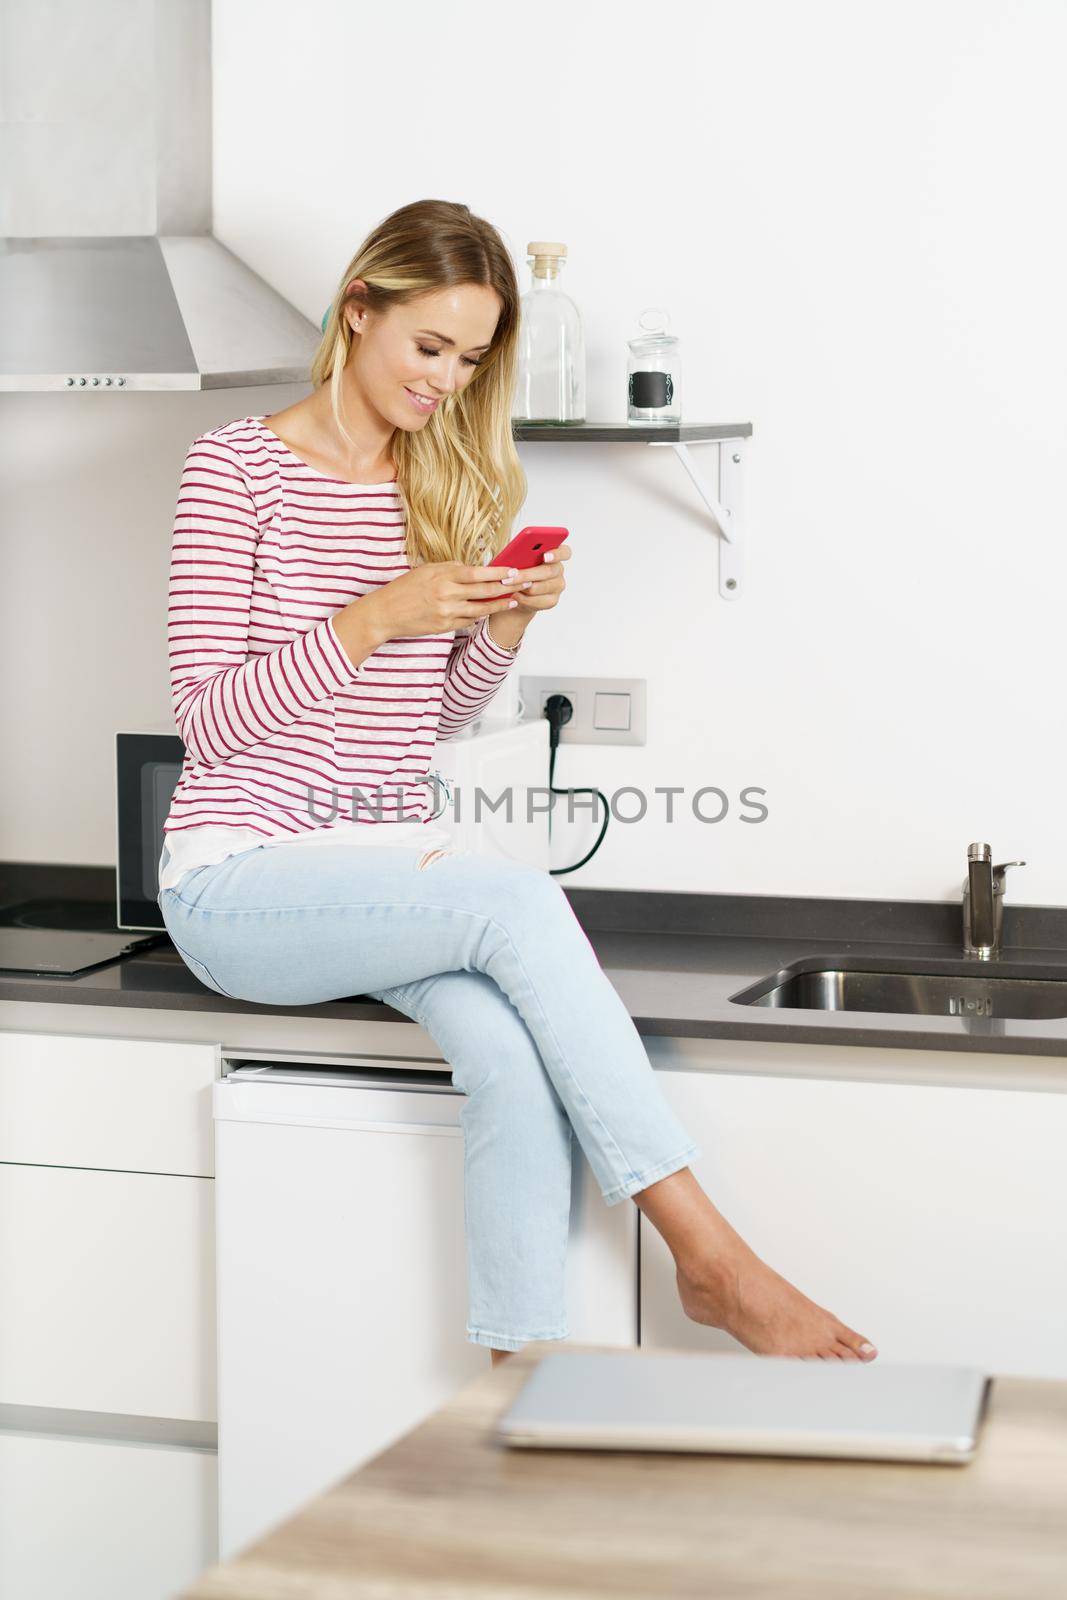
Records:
x=606, y=710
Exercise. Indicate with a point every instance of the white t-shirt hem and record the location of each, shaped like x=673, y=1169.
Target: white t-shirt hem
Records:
x=189, y=848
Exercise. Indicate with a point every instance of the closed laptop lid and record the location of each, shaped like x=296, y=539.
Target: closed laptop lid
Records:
x=681, y=1400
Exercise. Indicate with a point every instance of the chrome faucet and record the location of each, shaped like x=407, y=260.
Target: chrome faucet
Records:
x=983, y=902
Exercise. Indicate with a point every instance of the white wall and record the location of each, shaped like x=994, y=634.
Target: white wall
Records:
x=852, y=213
x=88, y=484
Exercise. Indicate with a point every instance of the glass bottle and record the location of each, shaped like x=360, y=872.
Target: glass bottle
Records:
x=654, y=374
x=551, y=377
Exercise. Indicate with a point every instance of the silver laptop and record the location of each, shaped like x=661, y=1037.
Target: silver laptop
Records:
x=748, y=1405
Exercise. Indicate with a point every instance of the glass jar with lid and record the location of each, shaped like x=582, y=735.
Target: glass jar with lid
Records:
x=654, y=374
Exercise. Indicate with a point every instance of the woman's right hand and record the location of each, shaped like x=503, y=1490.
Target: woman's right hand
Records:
x=435, y=597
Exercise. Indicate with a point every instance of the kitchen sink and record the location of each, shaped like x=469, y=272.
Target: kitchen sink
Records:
x=815, y=987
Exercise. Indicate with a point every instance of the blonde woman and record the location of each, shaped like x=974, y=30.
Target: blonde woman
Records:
x=330, y=619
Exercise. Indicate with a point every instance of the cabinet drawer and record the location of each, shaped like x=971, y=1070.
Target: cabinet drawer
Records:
x=108, y=1290
x=101, y=1520
x=135, y=1105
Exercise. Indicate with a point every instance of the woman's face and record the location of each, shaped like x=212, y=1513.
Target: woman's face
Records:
x=421, y=351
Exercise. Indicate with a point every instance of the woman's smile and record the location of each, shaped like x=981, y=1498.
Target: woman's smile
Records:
x=421, y=402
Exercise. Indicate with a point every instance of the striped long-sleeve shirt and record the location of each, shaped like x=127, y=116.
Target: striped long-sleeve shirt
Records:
x=283, y=734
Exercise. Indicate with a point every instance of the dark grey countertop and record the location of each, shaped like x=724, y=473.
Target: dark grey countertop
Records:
x=677, y=960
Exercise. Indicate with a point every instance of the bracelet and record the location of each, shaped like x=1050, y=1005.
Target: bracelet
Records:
x=509, y=649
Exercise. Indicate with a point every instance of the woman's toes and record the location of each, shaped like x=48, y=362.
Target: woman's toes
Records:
x=862, y=1348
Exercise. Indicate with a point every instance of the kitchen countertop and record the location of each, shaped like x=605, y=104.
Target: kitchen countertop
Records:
x=448, y=1511
x=676, y=961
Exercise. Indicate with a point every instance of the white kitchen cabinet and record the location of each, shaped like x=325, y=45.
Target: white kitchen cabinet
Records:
x=108, y=1290
x=108, y=1285
x=136, y=1105
x=931, y=1218
x=342, y=1277
x=95, y=1519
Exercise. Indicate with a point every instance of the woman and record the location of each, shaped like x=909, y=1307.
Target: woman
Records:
x=330, y=618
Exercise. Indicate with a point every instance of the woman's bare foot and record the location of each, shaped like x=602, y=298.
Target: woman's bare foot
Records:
x=749, y=1300
x=724, y=1284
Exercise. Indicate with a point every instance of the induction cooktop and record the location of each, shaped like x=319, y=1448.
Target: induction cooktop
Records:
x=62, y=938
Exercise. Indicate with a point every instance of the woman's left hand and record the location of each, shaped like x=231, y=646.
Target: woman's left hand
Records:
x=539, y=588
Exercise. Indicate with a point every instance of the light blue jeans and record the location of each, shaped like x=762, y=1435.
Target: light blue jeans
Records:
x=489, y=957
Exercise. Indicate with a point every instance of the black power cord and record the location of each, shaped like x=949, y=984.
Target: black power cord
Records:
x=559, y=711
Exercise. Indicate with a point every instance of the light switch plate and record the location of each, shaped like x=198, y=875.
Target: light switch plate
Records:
x=582, y=694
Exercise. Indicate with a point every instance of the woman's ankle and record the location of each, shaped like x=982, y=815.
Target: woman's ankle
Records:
x=696, y=1233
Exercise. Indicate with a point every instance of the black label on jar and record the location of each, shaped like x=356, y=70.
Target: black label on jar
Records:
x=650, y=390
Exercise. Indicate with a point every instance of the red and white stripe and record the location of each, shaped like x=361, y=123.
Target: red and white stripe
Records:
x=277, y=722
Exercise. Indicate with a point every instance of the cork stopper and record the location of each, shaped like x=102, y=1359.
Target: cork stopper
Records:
x=547, y=256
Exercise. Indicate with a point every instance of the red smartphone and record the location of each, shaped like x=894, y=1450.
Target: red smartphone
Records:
x=527, y=549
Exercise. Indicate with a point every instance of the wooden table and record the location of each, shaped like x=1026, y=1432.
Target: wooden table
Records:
x=447, y=1512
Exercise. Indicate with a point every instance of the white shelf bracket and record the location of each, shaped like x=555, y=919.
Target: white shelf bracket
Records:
x=726, y=507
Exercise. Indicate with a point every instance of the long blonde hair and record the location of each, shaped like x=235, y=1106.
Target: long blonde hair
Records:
x=459, y=477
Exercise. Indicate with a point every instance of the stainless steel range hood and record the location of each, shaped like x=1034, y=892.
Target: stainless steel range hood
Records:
x=111, y=276
x=158, y=312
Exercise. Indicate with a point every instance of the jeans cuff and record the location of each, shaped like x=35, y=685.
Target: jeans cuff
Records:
x=641, y=1180
x=504, y=1341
